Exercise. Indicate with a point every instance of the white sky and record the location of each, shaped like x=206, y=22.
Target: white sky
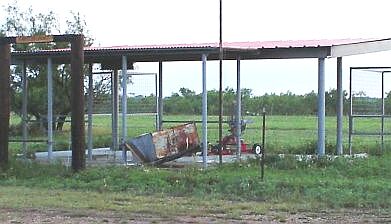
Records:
x=121, y=22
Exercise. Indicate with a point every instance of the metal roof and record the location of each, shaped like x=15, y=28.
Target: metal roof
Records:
x=283, y=49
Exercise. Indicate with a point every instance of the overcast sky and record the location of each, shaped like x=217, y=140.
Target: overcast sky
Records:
x=121, y=22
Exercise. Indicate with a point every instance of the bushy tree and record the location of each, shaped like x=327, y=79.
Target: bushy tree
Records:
x=27, y=22
x=188, y=102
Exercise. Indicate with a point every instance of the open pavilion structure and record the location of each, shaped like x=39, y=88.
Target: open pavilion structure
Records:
x=123, y=57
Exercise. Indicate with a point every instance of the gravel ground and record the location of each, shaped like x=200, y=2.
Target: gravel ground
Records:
x=89, y=216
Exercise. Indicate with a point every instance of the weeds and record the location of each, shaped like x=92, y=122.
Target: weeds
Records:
x=342, y=182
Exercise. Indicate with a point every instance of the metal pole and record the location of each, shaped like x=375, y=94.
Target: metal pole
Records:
x=50, y=108
x=350, y=112
x=157, y=103
x=204, y=114
x=124, y=104
x=263, y=143
x=321, y=107
x=77, y=103
x=339, y=106
x=90, y=110
x=238, y=120
x=382, y=112
x=114, y=115
x=5, y=61
x=160, y=97
x=221, y=57
x=24, y=108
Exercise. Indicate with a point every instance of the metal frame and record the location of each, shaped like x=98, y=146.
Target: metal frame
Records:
x=204, y=114
x=125, y=105
x=321, y=107
x=24, y=108
x=160, y=98
x=379, y=71
x=238, y=111
x=115, y=110
x=186, y=53
x=339, y=109
x=89, y=111
x=50, y=108
x=77, y=94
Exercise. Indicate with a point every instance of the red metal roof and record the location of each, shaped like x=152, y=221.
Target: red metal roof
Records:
x=155, y=46
x=283, y=49
x=293, y=43
x=243, y=45
x=233, y=45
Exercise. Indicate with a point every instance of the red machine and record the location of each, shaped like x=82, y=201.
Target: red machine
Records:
x=229, y=142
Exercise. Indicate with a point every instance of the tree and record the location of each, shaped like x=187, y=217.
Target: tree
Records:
x=19, y=22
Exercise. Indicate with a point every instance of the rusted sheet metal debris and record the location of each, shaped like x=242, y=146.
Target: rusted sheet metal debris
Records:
x=174, y=140
x=166, y=145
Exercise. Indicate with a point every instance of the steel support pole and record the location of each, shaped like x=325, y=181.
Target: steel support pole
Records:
x=160, y=97
x=114, y=114
x=5, y=62
x=221, y=57
x=350, y=112
x=321, y=107
x=124, y=105
x=50, y=108
x=77, y=104
x=340, y=99
x=238, y=120
x=157, y=103
x=90, y=110
x=204, y=114
x=382, y=112
x=24, y=109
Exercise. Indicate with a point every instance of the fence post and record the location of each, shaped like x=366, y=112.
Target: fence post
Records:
x=77, y=103
x=5, y=61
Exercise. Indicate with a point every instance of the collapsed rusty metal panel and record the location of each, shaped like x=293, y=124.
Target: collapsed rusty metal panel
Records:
x=166, y=145
x=142, y=148
x=174, y=140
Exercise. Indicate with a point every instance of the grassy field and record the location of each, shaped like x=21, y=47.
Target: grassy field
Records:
x=232, y=190
x=284, y=134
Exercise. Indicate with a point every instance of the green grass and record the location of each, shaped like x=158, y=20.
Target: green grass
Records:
x=234, y=189
x=165, y=206
x=285, y=134
x=342, y=183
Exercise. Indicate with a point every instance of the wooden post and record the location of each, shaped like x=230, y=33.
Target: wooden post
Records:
x=5, y=60
x=77, y=103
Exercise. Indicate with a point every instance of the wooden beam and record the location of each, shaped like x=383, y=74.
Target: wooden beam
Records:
x=77, y=103
x=5, y=60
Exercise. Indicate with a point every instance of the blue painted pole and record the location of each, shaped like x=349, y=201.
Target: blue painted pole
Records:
x=339, y=106
x=238, y=120
x=124, y=104
x=204, y=114
x=50, y=108
x=24, y=108
x=321, y=107
x=89, y=111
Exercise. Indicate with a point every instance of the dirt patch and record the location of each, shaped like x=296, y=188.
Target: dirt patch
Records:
x=88, y=216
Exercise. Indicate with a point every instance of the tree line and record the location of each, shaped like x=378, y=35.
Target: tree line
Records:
x=188, y=102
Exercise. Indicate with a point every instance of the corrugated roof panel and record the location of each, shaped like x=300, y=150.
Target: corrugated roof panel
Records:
x=292, y=43
x=234, y=45
x=241, y=45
